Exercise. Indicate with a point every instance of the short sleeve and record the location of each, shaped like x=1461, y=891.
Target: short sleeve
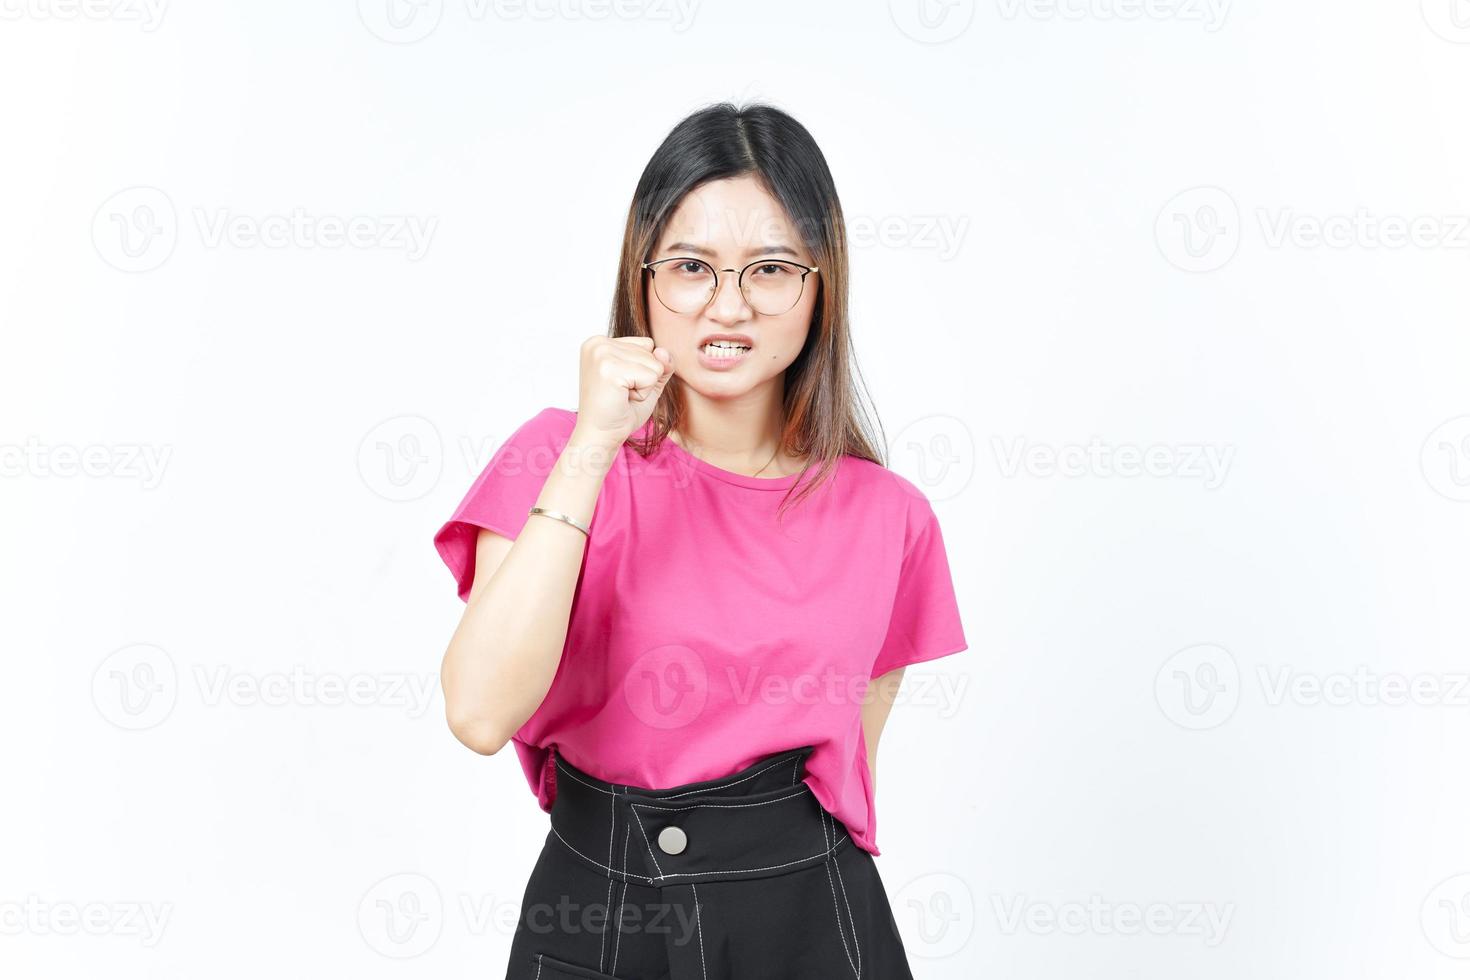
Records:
x=925, y=621
x=504, y=491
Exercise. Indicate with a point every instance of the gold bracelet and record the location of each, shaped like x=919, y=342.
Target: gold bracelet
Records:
x=561, y=517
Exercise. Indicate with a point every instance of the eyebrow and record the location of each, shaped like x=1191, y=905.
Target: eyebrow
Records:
x=691, y=248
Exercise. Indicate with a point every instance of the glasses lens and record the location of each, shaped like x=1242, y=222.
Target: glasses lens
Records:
x=683, y=285
x=772, y=287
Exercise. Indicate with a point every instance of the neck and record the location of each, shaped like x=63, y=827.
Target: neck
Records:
x=740, y=434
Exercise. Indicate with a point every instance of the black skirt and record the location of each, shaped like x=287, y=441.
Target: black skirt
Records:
x=746, y=877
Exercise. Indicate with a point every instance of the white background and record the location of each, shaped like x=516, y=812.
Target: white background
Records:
x=1079, y=231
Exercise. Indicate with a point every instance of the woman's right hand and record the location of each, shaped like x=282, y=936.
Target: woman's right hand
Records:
x=621, y=381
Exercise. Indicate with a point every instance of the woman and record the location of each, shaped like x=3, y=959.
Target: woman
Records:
x=695, y=644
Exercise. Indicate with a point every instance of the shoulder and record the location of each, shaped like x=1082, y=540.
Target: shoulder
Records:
x=551, y=426
x=892, y=502
x=890, y=488
x=552, y=419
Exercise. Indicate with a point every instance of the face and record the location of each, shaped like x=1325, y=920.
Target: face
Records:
x=729, y=224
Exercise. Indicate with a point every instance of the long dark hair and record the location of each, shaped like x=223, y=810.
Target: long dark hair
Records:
x=824, y=418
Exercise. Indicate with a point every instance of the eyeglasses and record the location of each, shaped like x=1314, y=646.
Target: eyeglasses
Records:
x=770, y=286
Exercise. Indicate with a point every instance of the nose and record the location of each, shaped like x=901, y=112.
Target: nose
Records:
x=729, y=305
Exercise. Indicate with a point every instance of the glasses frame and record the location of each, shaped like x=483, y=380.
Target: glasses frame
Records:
x=739, y=281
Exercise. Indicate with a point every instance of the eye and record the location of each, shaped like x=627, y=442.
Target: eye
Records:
x=772, y=270
x=688, y=267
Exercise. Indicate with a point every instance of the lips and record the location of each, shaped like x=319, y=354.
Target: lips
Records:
x=726, y=341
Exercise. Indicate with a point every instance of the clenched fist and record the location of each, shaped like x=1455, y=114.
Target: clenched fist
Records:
x=621, y=381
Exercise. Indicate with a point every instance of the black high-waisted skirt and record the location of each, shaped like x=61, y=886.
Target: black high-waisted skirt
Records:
x=746, y=877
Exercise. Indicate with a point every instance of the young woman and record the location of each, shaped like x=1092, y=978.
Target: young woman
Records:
x=690, y=601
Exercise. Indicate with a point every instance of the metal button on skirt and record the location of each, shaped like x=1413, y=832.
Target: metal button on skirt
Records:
x=745, y=877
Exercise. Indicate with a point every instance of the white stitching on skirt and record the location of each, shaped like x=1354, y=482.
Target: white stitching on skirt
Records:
x=612, y=819
x=857, y=947
x=622, y=899
x=699, y=806
x=579, y=779
x=737, y=782
x=592, y=861
x=675, y=796
x=736, y=871
x=836, y=912
x=649, y=844
x=700, y=929
x=694, y=874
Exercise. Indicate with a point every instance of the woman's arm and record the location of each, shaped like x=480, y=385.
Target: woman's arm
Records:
x=505, y=652
x=881, y=693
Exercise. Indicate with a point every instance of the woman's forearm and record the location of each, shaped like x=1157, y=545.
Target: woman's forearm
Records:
x=505, y=652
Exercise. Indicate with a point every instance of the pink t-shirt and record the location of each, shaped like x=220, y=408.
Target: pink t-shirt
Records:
x=702, y=634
